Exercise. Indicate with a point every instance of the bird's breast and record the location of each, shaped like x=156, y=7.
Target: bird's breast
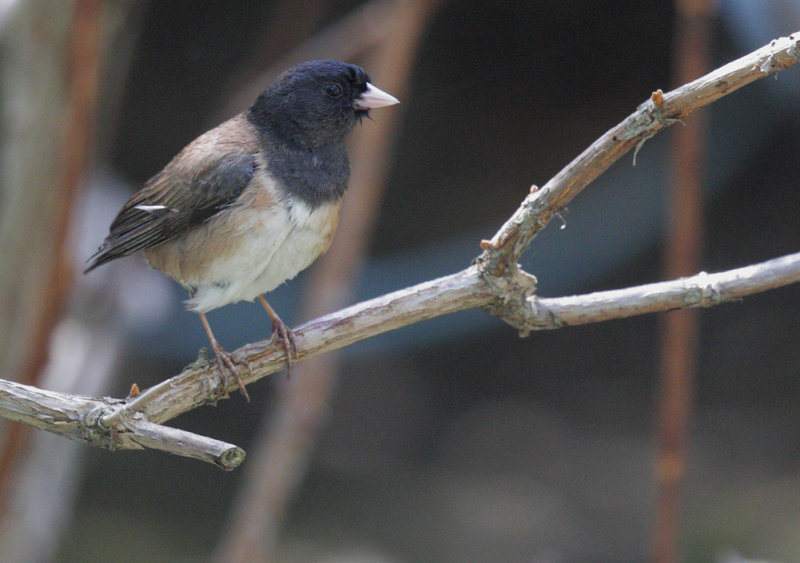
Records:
x=251, y=248
x=310, y=232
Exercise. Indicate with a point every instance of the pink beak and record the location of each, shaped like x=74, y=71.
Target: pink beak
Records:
x=375, y=98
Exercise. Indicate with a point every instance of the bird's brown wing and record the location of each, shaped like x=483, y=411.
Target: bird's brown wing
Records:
x=170, y=204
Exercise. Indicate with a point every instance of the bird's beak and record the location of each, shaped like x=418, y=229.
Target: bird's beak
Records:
x=374, y=98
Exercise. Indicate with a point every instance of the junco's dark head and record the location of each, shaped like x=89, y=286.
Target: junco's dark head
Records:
x=316, y=103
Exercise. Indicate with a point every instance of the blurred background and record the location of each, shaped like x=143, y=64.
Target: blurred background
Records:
x=450, y=440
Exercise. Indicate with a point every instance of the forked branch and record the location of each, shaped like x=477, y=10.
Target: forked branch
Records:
x=494, y=283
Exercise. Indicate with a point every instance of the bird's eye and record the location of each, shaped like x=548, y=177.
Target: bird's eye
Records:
x=333, y=90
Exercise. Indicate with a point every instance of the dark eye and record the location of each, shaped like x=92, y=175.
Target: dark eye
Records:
x=333, y=90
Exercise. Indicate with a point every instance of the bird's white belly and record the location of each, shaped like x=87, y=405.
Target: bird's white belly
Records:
x=270, y=250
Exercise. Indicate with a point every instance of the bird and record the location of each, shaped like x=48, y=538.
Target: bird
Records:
x=249, y=204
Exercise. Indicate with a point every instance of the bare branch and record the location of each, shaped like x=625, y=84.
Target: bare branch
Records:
x=78, y=418
x=495, y=283
x=187, y=444
x=201, y=382
x=661, y=110
x=702, y=290
x=128, y=424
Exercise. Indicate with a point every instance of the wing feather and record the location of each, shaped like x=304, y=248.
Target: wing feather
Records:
x=171, y=203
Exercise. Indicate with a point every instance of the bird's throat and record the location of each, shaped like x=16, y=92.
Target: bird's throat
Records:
x=317, y=175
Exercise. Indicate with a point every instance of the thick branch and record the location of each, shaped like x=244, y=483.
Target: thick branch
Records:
x=201, y=383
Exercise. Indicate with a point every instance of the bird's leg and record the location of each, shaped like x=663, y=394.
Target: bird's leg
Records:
x=225, y=359
x=286, y=335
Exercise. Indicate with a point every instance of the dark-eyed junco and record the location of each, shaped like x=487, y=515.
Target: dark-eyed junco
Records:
x=249, y=204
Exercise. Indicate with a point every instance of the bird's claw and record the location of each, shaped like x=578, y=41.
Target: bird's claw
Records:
x=283, y=333
x=226, y=361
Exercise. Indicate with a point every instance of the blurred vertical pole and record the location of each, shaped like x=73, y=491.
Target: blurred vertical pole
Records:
x=680, y=334
x=283, y=449
x=53, y=102
x=32, y=92
x=47, y=180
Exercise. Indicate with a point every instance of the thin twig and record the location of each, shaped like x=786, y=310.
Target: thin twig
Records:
x=701, y=290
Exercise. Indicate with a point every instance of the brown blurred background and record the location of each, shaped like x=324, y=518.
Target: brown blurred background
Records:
x=451, y=440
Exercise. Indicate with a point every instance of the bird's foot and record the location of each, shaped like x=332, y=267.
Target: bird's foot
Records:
x=283, y=333
x=227, y=364
x=225, y=359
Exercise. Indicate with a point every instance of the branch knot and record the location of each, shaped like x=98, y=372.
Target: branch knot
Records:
x=511, y=291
